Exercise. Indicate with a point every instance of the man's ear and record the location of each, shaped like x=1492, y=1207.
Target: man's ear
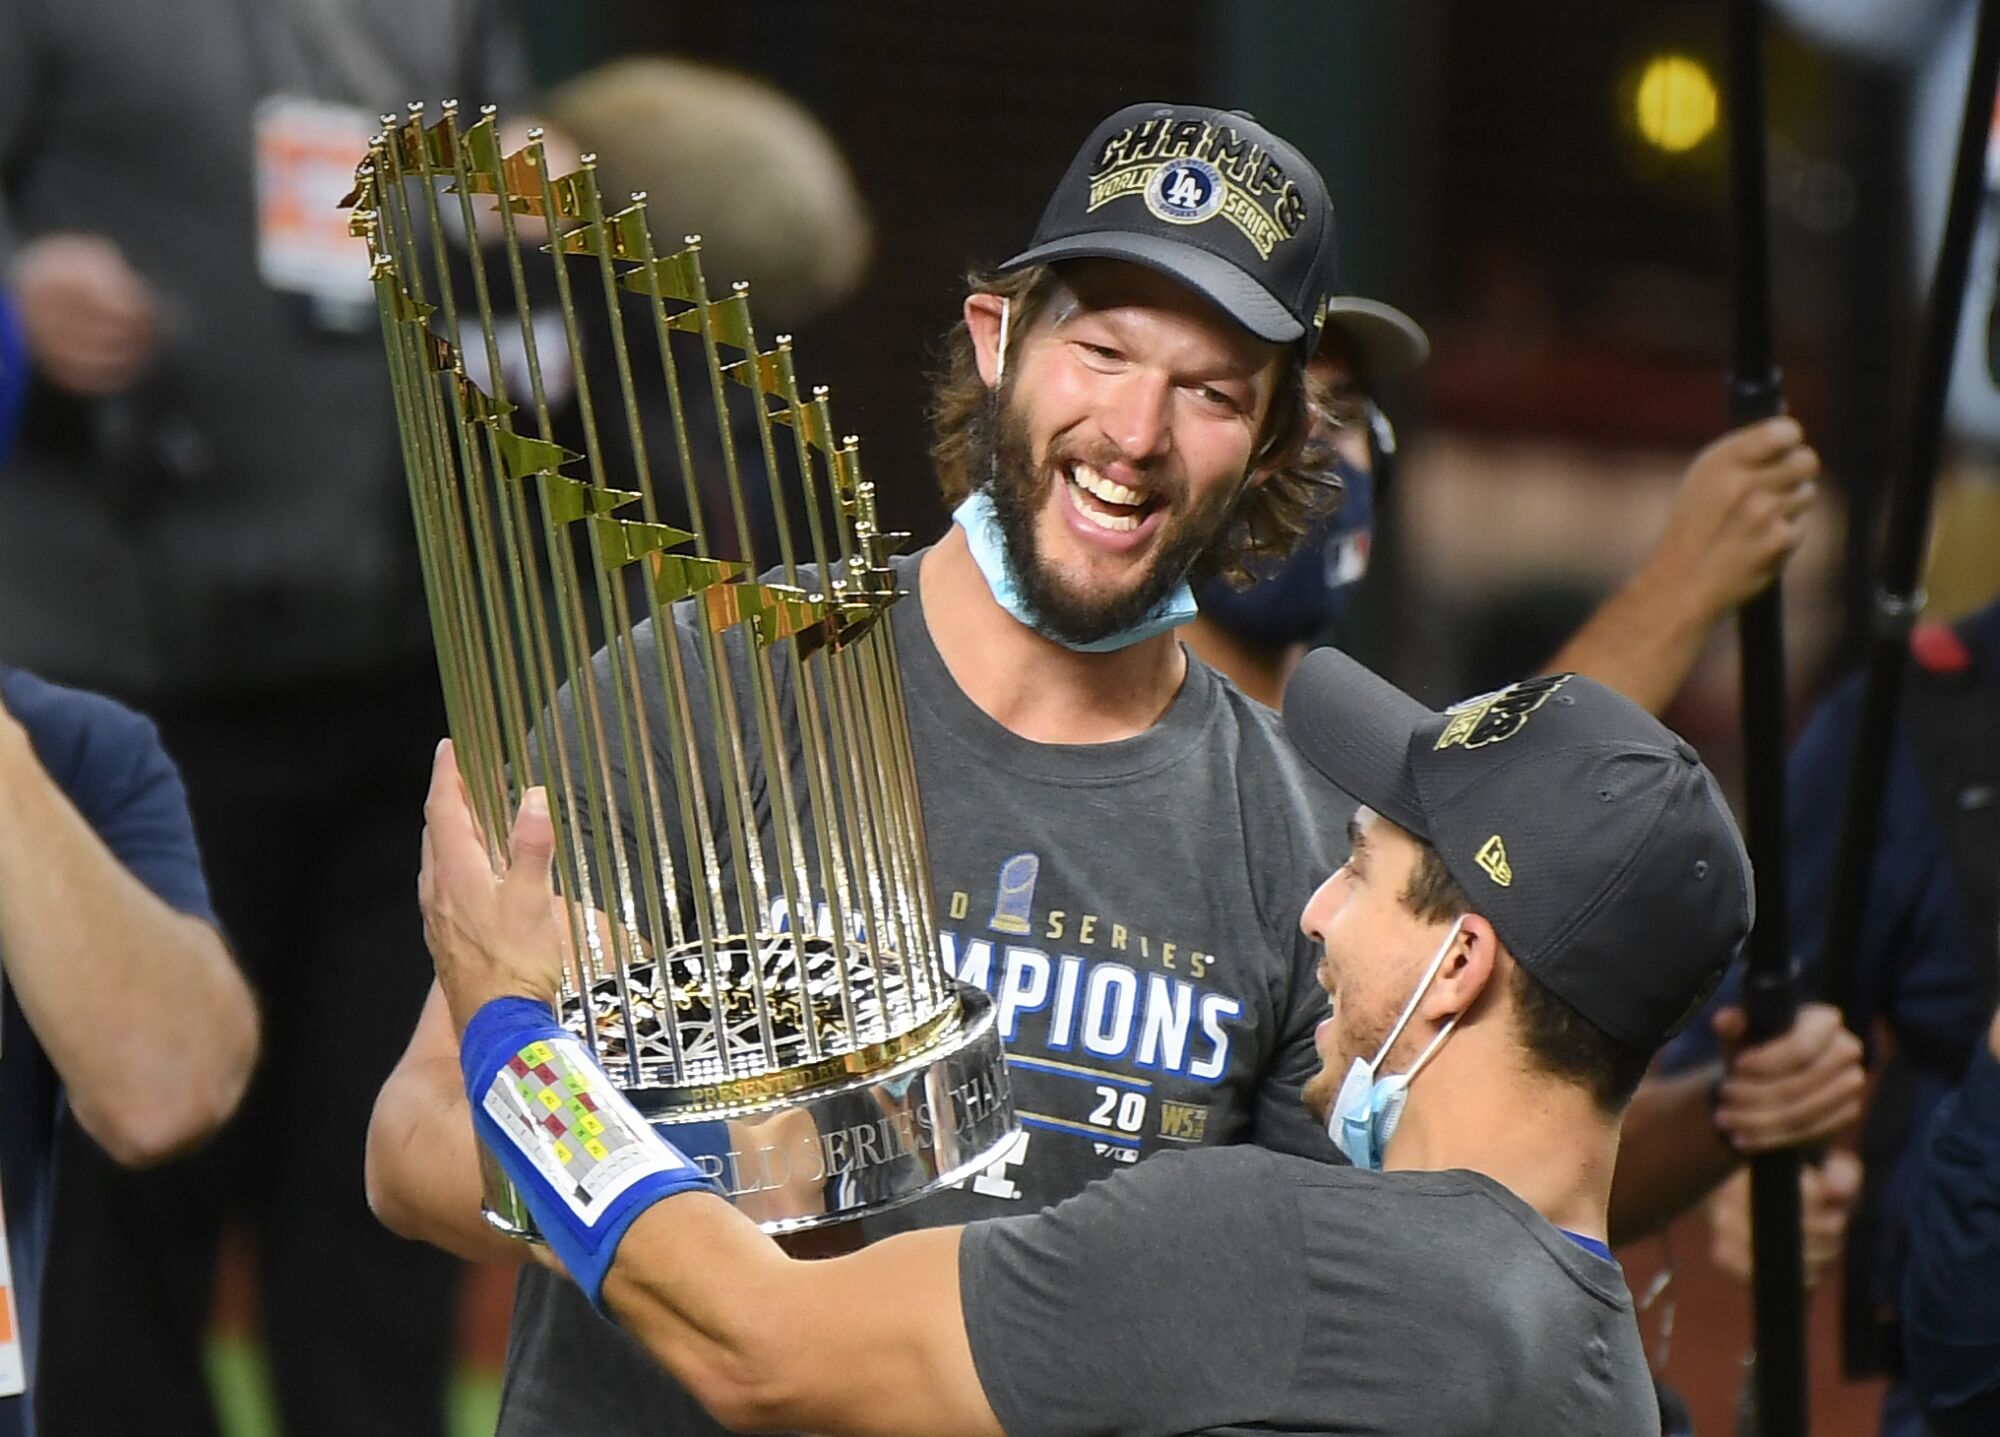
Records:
x=1258, y=473
x=986, y=318
x=1470, y=970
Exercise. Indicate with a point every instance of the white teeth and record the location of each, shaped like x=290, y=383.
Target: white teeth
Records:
x=1117, y=523
x=1105, y=489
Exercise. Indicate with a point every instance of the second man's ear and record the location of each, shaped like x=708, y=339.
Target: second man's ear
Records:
x=986, y=321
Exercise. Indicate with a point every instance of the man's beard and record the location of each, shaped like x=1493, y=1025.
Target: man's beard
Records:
x=1003, y=450
x=1320, y=1091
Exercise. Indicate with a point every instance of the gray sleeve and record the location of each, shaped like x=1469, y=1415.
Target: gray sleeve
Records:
x=1130, y=1308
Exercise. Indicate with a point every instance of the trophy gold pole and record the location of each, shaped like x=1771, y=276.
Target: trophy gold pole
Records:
x=753, y=951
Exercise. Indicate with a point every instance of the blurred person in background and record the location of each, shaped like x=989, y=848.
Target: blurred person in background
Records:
x=766, y=187
x=1741, y=511
x=119, y=1001
x=735, y=159
x=1951, y=1297
x=205, y=515
x=1926, y=974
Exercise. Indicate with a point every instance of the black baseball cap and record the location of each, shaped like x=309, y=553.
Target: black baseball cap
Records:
x=1384, y=340
x=1588, y=833
x=1206, y=197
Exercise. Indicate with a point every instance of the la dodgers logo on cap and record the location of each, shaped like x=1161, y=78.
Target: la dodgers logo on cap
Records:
x=1185, y=192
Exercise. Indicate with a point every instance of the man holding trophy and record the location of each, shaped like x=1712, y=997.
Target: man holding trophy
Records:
x=1112, y=842
x=1544, y=884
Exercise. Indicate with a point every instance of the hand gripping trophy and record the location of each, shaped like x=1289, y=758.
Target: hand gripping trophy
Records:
x=753, y=951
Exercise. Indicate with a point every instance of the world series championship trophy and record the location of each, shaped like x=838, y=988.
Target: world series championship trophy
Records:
x=753, y=952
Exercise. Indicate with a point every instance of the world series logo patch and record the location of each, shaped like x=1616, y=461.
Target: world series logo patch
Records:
x=1185, y=192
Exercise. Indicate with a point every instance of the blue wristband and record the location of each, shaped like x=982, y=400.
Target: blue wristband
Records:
x=583, y=1159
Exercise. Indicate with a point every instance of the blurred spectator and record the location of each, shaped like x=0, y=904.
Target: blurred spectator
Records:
x=1925, y=961
x=205, y=514
x=1952, y=1297
x=1257, y=635
x=120, y=998
x=1740, y=513
x=735, y=160
x=766, y=187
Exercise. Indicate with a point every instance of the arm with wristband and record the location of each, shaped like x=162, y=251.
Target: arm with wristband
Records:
x=874, y=1342
x=583, y=1159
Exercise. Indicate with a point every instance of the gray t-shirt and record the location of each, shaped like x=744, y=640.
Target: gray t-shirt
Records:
x=1247, y=1291
x=1133, y=908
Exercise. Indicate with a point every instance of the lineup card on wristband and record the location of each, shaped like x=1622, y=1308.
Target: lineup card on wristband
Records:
x=558, y=1108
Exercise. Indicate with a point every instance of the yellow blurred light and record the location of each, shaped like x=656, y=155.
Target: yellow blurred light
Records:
x=1676, y=103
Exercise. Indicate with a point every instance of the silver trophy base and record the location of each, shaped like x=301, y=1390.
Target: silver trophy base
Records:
x=841, y=1151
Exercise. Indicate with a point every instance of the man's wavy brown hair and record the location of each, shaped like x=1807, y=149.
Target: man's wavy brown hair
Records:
x=1300, y=487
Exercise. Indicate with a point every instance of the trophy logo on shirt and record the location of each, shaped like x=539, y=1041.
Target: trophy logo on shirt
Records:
x=1014, y=895
x=753, y=951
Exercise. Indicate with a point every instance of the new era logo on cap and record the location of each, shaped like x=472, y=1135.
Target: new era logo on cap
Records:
x=1208, y=197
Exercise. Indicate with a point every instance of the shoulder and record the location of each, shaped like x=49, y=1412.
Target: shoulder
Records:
x=1293, y=820
x=86, y=741
x=1268, y=768
x=1196, y=1192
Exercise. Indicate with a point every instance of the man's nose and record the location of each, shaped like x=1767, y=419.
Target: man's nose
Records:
x=1137, y=415
x=1312, y=918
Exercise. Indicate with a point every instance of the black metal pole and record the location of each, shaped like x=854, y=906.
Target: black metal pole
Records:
x=1770, y=995
x=1899, y=593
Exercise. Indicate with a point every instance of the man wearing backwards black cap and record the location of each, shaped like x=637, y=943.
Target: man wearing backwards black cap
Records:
x=1544, y=883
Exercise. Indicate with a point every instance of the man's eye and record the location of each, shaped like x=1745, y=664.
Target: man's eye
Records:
x=1209, y=394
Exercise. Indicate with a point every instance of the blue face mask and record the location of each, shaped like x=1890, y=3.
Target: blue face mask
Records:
x=989, y=552
x=1368, y=1108
x=1309, y=589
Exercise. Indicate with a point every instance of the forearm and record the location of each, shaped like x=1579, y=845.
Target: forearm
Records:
x=1670, y=1155
x=872, y=1344
x=422, y=1163
x=713, y=1299
x=141, y=1009
x=1643, y=642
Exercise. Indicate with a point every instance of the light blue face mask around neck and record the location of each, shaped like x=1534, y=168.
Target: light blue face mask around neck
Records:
x=989, y=551
x=1367, y=1109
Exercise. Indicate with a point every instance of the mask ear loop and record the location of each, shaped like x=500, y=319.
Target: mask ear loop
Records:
x=1000, y=365
x=1416, y=998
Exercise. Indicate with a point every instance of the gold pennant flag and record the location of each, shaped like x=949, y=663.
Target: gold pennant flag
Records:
x=523, y=455
x=681, y=576
x=624, y=541
x=568, y=500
